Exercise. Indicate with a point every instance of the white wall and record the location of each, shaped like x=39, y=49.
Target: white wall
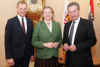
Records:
x=96, y=48
x=7, y=10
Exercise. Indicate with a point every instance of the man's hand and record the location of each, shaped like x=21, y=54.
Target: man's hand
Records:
x=31, y=58
x=65, y=47
x=11, y=62
x=72, y=48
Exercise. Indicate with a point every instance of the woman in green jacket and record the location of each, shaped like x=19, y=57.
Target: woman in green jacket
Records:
x=47, y=39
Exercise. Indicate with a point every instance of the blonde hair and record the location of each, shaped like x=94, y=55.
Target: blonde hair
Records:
x=21, y=2
x=42, y=18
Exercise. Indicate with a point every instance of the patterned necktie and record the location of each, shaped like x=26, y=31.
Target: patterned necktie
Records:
x=23, y=26
x=71, y=34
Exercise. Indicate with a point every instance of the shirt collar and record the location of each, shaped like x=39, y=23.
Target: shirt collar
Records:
x=77, y=21
x=19, y=17
x=50, y=21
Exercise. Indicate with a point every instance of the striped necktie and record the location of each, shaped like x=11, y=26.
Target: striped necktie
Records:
x=71, y=34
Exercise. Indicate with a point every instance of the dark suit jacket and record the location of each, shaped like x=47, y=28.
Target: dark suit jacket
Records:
x=84, y=39
x=15, y=40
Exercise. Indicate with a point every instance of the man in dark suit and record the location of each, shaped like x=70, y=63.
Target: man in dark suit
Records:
x=79, y=37
x=18, y=35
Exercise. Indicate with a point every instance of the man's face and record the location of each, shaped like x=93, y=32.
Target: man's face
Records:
x=21, y=10
x=74, y=13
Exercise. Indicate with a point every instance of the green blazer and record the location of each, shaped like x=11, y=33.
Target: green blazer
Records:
x=42, y=35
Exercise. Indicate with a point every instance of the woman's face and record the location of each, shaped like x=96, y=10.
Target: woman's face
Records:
x=47, y=14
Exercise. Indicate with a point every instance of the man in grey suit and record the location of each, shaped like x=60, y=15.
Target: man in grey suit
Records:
x=79, y=37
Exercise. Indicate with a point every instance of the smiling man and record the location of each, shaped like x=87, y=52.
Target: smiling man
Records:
x=18, y=35
x=79, y=37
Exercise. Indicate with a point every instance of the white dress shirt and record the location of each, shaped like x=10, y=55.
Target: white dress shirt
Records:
x=75, y=29
x=50, y=28
x=25, y=22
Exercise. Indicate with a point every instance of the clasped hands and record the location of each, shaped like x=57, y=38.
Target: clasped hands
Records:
x=72, y=48
x=51, y=45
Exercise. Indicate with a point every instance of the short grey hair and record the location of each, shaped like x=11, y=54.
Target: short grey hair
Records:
x=73, y=4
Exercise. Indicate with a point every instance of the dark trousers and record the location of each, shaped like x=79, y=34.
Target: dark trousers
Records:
x=23, y=61
x=70, y=62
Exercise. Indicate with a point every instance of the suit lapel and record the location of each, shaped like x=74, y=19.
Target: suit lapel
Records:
x=45, y=26
x=67, y=30
x=79, y=28
x=68, y=26
x=53, y=26
x=27, y=25
x=19, y=25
